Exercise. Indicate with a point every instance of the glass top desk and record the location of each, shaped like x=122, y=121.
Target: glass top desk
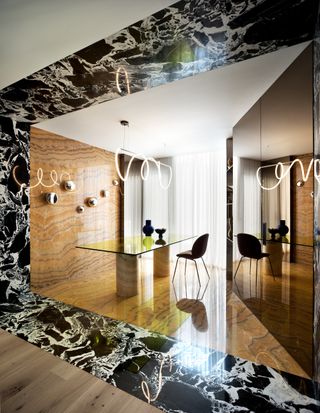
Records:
x=127, y=251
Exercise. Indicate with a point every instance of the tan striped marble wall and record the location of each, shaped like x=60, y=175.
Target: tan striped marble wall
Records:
x=302, y=213
x=57, y=229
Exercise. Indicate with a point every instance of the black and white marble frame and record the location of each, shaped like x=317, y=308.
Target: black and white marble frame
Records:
x=182, y=40
x=14, y=215
x=194, y=379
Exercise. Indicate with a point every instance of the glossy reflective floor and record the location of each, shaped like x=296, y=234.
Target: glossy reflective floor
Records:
x=283, y=305
x=211, y=316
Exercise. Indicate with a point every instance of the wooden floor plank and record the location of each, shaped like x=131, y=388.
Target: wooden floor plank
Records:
x=33, y=381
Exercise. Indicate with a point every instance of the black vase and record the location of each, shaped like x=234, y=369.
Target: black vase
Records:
x=283, y=229
x=148, y=228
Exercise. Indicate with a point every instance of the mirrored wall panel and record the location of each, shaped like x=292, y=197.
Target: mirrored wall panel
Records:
x=273, y=210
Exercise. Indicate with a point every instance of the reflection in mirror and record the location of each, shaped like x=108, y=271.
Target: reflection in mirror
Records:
x=278, y=128
x=276, y=202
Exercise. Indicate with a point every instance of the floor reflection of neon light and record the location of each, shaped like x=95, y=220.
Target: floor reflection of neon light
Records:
x=144, y=384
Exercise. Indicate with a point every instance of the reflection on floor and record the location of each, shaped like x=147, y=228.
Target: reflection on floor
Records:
x=283, y=305
x=212, y=316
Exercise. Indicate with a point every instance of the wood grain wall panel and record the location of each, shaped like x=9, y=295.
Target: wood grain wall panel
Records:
x=57, y=229
x=302, y=212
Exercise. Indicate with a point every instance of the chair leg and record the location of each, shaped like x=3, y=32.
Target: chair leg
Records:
x=271, y=268
x=185, y=268
x=205, y=268
x=256, y=271
x=237, y=267
x=250, y=267
x=197, y=272
x=175, y=269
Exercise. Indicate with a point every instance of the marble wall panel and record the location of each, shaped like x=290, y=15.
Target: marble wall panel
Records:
x=182, y=40
x=14, y=215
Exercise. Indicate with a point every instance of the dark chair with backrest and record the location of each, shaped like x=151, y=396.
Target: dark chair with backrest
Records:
x=250, y=247
x=198, y=250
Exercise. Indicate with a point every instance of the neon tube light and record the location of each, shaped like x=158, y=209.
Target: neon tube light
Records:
x=145, y=168
x=280, y=173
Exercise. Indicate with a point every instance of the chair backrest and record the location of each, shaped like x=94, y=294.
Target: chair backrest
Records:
x=249, y=246
x=200, y=246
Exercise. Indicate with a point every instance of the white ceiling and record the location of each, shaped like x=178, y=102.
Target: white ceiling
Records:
x=36, y=33
x=190, y=115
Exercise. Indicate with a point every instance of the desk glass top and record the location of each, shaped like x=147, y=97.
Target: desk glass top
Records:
x=135, y=245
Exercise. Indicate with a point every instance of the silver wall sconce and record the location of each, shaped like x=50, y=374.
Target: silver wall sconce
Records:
x=115, y=182
x=92, y=202
x=69, y=185
x=105, y=193
x=300, y=183
x=80, y=209
x=51, y=198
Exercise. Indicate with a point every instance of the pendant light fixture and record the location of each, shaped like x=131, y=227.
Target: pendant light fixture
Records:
x=280, y=172
x=145, y=167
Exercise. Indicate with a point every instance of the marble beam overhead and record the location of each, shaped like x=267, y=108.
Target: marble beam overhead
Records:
x=182, y=40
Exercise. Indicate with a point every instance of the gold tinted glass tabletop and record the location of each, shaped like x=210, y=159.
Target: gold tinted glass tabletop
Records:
x=135, y=245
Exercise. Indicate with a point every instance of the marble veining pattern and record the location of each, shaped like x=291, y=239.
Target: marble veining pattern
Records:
x=187, y=38
x=196, y=380
x=182, y=40
x=14, y=216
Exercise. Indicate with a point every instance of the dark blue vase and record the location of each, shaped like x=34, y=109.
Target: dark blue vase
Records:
x=282, y=228
x=148, y=228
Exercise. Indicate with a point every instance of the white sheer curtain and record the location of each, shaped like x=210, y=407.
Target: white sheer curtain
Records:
x=133, y=202
x=194, y=204
x=275, y=203
x=197, y=202
x=247, y=199
x=155, y=198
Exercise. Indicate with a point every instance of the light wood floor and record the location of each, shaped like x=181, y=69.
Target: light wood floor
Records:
x=34, y=381
x=221, y=321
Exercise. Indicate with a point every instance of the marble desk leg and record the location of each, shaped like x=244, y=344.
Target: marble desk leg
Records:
x=127, y=275
x=161, y=262
x=275, y=251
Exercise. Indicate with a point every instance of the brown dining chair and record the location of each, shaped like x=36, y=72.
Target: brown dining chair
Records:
x=249, y=246
x=198, y=250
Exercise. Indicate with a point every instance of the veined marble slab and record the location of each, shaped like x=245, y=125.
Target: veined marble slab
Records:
x=178, y=377
x=182, y=40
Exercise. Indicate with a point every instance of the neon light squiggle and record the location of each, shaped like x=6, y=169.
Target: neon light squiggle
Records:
x=145, y=168
x=123, y=70
x=144, y=384
x=52, y=174
x=280, y=173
